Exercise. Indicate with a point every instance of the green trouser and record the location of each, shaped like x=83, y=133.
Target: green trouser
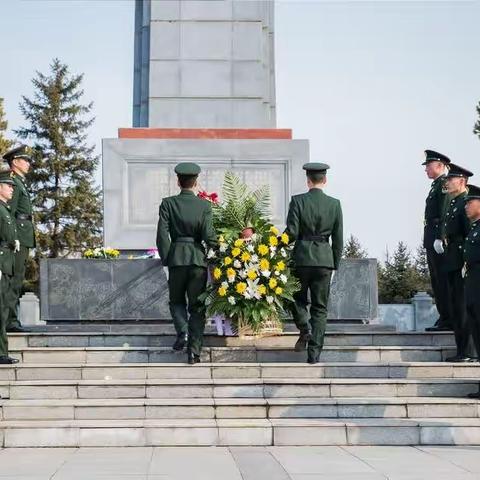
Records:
x=13, y=300
x=188, y=282
x=317, y=281
x=4, y=289
x=472, y=300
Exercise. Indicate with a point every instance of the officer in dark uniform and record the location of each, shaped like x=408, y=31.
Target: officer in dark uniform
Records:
x=185, y=221
x=472, y=268
x=8, y=236
x=435, y=209
x=313, y=220
x=21, y=209
x=455, y=229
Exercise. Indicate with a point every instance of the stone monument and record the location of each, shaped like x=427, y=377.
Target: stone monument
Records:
x=204, y=91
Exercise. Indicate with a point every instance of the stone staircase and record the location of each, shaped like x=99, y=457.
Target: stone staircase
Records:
x=127, y=388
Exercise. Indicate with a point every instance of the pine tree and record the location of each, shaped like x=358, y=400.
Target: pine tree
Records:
x=423, y=282
x=397, y=278
x=5, y=144
x=476, y=128
x=66, y=201
x=353, y=249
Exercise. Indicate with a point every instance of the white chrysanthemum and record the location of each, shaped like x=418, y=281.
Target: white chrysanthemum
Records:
x=266, y=273
x=254, y=258
x=254, y=237
x=231, y=279
x=223, y=247
x=231, y=300
x=225, y=284
x=211, y=253
x=250, y=247
x=247, y=295
x=243, y=273
x=283, y=253
x=283, y=278
x=277, y=273
x=269, y=300
x=237, y=264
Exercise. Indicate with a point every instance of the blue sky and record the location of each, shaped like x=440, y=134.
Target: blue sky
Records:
x=370, y=84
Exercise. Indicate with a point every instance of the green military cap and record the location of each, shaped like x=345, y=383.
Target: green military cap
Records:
x=316, y=167
x=21, y=151
x=6, y=177
x=433, y=156
x=187, y=168
x=457, y=171
x=473, y=193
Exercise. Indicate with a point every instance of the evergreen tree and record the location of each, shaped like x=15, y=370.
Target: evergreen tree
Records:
x=476, y=128
x=397, y=277
x=353, y=249
x=66, y=202
x=5, y=144
x=423, y=282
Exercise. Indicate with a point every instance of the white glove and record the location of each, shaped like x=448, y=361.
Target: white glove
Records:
x=438, y=246
x=165, y=269
x=332, y=277
x=17, y=245
x=0, y=274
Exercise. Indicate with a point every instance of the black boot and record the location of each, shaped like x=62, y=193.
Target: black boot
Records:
x=302, y=342
x=180, y=342
x=313, y=359
x=459, y=359
x=5, y=360
x=192, y=359
x=474, y=396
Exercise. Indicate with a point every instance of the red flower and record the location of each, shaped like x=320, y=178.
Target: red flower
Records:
x=210, y=197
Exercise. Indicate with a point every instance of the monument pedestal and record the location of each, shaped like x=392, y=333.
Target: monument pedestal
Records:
x=138, y=171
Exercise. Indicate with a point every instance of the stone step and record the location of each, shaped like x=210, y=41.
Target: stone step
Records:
x=287, y=340
x=237, y=432
x=229, y=354
x=209, y=408
x=237, y=388
x=143, y=371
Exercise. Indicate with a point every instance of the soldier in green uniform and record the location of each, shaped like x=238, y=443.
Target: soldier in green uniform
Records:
x=454, y=231
x=472, y=268
x=185, y=221
x=435, y=209
x=8, y=236
x=313, y=220
x=21, y=209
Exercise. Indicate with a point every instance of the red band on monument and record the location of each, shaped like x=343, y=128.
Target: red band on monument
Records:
x=207, y=133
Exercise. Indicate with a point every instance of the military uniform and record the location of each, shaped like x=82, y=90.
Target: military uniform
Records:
x=8, y=235
x=21, y=211
x=435, y=209
x=472, y=275
x=313, y=219
x=185, y=221
x=455, y=229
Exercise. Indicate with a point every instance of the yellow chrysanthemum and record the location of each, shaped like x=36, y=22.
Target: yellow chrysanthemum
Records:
x=264, y=264
x=280, y=266
x=272, y=283
x=238, y=242
x=262, y=249
x=222, y=291
x=231, y=273
x=274, y=230
x=245, y=257
x=227, y=260
x=252, y=274
x=217, y=273
x=236, y=252
x=241, y=287
x=273, y=241
x=262, y=289
x=278, y=290
x=285, y=238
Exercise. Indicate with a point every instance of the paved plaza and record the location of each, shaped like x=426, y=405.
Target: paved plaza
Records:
x=248, y=463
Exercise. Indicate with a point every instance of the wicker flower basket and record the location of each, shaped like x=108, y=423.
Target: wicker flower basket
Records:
x=269, y=328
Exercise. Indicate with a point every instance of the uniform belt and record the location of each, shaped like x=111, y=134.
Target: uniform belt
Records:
x=23, y=216
x=315, y=238
x=184, y=240
x=7, y=245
